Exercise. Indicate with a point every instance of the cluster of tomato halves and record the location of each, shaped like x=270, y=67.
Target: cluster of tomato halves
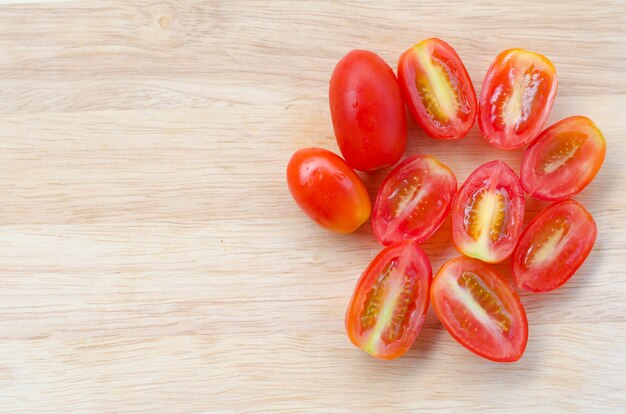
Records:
x=477, y=306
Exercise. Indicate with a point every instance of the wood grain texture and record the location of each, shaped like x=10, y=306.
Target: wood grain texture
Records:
x=151, y=257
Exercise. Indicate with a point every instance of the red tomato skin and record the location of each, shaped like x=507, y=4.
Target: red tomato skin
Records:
x=411, y=67
x=434, y=177
x=455, y=268
x=367, y=110
x=574, y=250
x=328, y=190
x=414, y=266
x=504, y=177
x=497, y=79
x=571, y=178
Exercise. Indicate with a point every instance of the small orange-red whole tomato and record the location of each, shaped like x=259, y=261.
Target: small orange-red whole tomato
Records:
x=563, y=159
x=480, y=309
x=328, y=190
x=437, y=89
x=516, y=98
x=389, y=304
x=553, y=246
x=487, y=213
x=413, y=200
x=367, y=110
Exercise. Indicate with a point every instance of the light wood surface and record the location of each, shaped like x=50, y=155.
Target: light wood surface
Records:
x=152, y=259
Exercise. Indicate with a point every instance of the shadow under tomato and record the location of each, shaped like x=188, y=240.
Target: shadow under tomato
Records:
x=463, y=155
x=439, y=247
x=428, y=339
x=373, y=180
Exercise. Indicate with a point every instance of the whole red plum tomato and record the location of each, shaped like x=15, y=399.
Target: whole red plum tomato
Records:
x=328, y=190
x=368, y=112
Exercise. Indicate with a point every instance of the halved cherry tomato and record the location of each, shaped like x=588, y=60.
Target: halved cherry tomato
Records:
x=516, y=98
x=563, y=159
x=368, y=113
x=480, y=309
x=487, y=213
x=413, y=200
x=437, y=89
x=553, y=246
x=328, y=190
x=389, y=304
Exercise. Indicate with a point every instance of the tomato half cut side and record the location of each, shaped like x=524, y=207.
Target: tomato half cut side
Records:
x=437, y=89
x=553, y=246
x=487, y=213
x=563, y=159
x=328, y=190
x=389, y=304
x=516, y=98
x=413, y=200
x=480, y=309
x=367, y=110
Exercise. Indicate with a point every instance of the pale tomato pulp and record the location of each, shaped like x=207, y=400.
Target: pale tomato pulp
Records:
x=413, y=200
x=487, y=213
x=389, y=304
x=480, y=309
x=516, y=98
x=553, y=246
x=563, y=159
x=437, y=89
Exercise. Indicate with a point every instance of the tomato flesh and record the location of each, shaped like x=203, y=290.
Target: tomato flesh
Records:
x=480, y=309
x=553, y=246
x=516, y=98
x=389, y=304
x=563, y=160
x=487, y=213
x=413, y=200
x=328, y=190
x=367, y=110
x=437, y=89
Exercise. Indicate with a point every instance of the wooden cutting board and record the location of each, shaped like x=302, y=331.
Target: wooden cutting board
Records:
x=152, y=259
